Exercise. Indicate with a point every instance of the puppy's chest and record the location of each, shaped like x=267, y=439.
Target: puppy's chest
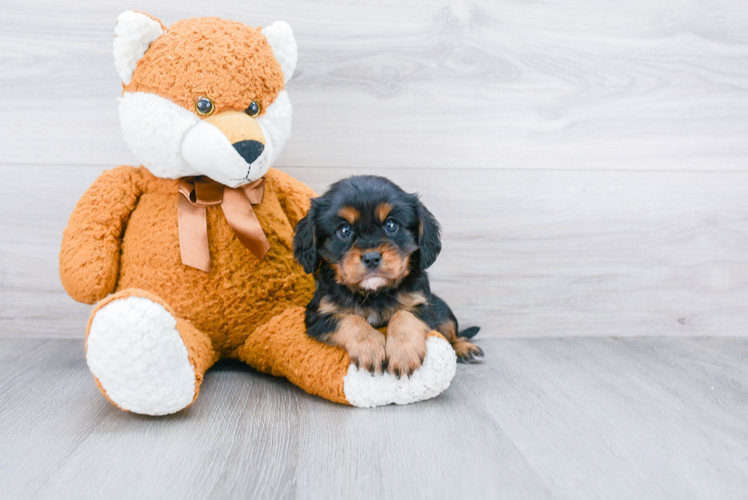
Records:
x=378, y=313
x=377, y=317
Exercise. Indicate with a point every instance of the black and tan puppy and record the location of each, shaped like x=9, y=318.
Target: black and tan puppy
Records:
x=368, y=244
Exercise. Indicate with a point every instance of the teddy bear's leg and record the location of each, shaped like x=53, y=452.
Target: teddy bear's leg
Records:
x=143, y=357
x=282, y=347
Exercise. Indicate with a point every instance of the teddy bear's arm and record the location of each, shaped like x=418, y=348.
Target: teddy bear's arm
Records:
x=294, y=196
x=89, y=258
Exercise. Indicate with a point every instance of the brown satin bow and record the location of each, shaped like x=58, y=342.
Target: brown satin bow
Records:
x=196, y=193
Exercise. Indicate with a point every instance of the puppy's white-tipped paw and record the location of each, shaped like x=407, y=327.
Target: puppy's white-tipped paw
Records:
x=433, y=377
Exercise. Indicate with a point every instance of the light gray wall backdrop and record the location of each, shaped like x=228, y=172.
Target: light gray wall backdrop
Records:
x=588, y=159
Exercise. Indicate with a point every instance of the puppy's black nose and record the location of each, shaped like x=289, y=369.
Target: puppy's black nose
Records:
x=249, y=150
x=371, y=259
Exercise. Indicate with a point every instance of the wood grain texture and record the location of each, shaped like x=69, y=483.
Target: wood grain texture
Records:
x=542, y=418
x=525, y=253
x=425, y=83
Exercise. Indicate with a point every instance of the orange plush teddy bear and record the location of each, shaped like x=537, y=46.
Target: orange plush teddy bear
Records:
x=190, y=255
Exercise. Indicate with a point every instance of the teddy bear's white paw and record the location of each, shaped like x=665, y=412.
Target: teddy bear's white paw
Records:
x=136, y=353
x=431, y=379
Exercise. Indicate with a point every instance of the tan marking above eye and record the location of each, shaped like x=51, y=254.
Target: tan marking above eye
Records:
x=383, y=210
x=350, y=214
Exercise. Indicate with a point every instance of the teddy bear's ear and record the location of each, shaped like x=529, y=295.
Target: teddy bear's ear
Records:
x=281, y=40
x=134, y=33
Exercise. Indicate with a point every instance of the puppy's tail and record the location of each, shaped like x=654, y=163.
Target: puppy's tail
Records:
x=469, y=333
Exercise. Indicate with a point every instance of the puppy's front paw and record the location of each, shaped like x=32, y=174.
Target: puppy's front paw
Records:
x=406, y=343
x=368, y=353
x=405, y=354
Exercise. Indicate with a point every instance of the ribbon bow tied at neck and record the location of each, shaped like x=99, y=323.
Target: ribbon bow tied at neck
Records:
x=197, y=193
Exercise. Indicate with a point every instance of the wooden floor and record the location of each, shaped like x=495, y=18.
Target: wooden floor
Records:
x=542, y=418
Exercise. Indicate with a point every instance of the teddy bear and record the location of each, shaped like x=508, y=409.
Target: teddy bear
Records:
x=188, y=257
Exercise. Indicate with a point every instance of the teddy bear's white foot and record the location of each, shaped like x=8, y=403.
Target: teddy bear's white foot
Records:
x=139, y=358
x=431, y=379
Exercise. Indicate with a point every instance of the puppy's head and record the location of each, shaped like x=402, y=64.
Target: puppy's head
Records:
x=369, y=231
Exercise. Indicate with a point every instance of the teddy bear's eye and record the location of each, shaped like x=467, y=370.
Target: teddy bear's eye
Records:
x=204, y=106
x=253, y=109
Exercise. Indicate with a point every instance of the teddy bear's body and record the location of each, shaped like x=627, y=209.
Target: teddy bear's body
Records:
x=240, y=292
x=204, y=101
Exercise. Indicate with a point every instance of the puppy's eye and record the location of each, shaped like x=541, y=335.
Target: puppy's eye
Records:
x=253, y=109
x=344, y=232
x=391, y=226
x=204, y=106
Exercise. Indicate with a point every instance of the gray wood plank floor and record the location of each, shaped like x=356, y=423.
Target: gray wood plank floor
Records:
x=542, y=418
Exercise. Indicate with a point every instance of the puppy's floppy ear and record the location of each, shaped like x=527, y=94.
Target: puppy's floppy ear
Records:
x=429, y=236
x=305, y=241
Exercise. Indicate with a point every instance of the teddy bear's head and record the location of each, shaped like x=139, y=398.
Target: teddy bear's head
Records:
x=205, y=96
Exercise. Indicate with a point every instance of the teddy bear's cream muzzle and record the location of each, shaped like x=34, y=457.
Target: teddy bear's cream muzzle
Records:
x=230, y=147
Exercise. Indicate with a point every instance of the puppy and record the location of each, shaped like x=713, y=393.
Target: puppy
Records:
x=368, y=244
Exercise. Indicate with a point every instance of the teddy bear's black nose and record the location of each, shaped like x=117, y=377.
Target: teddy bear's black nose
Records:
x=249, y=150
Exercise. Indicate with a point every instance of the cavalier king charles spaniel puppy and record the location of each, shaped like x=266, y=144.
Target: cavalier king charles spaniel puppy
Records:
x=368, y=244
